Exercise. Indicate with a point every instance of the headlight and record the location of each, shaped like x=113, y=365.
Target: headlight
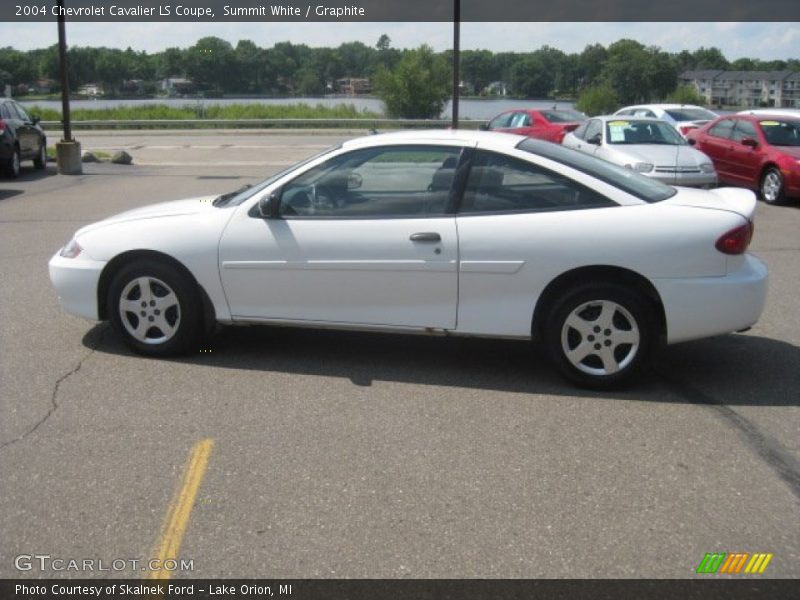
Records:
x=71, y=250
x=707, y=168
x=643, y=167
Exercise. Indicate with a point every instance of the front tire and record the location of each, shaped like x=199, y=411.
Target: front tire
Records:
x=40, y=162
x=772, y=187
x=155, y=308
x=599, y=335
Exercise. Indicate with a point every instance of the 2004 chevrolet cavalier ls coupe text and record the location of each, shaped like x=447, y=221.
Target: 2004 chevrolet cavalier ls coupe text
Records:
x=467, y=233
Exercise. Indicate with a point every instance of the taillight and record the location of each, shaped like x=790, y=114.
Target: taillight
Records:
x=684, y=129
x=736, y=240
x=2, y=126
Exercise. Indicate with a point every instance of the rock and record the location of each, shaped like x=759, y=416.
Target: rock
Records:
x=122, y=158
x=88, y=157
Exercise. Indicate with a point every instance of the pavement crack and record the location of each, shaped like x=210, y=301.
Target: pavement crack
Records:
x=785, y=465
x=54, y=405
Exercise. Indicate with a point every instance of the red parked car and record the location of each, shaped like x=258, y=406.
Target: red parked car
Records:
x=761, y=152
x=549, y=124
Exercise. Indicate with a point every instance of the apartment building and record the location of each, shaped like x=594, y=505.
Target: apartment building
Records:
x=746, y=88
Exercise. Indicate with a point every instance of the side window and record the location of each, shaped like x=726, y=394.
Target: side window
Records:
x=520, y=119
x=4, y=114
x=744, y=129
x=503, y=184
x=593, y=129
x=580, y=132
x=723, y=129
x=625, y=113
x=387, y=182
x=501, y=122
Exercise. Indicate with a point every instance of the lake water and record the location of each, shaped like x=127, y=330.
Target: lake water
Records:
x=468, y=108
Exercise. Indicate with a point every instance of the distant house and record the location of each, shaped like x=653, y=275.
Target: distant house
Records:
x=746, y=88
x=92, y=90
x=176, y=86
x=353, y=86
x=496, y=88
x=41, y=86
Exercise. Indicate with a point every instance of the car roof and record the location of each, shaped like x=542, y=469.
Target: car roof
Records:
x=428, y=136
x=628, y=118
x=662, y=106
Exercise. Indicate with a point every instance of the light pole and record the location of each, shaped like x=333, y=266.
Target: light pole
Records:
x=456, y=59
x=68, y=151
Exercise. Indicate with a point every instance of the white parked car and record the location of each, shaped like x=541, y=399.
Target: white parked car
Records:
x=776, y=112
x=650, y=146
x=684, y=117
x=448, y=232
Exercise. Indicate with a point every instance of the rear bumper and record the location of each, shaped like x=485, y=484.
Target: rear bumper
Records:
x=75, y=280
x=706, y=306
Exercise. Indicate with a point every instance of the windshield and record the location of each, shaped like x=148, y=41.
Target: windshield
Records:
x=239, y=196
x=690, y=114
x=626, y=131
x=563, y=116
x=781, y=132
x=629, y=181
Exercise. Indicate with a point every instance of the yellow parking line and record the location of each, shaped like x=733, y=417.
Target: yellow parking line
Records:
x=180, y=509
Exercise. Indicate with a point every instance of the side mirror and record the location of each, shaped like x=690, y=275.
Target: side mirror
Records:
x=595, y=139
x=691, y=141
x=484, y=127
x=35, y=119
x=269, y=207
x=749, y=142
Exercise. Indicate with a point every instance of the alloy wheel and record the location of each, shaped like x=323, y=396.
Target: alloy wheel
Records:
x=600, y=337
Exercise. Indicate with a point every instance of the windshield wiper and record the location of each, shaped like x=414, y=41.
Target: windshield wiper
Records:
x=225, y=198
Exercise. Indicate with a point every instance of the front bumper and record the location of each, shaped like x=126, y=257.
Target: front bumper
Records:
x=686, y=179
x=76, y=280
x=701, y=307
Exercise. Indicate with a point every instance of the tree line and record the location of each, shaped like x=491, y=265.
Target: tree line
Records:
x=626, y=70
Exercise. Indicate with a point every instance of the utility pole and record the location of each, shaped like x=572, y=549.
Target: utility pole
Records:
x=68, y=151
x=456, y=59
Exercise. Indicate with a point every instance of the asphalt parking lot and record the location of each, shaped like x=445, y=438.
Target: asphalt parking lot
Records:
x=366, y=455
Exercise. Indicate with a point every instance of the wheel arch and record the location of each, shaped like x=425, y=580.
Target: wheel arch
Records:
x=126, y=258
x=595, y=274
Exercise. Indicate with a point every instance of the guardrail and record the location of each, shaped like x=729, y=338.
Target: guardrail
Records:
x=265, y=124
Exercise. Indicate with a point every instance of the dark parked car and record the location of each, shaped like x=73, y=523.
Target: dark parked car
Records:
x=21, y=138
x=761, y=152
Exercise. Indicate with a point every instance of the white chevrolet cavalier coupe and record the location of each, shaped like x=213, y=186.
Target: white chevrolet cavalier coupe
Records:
x=450, y=232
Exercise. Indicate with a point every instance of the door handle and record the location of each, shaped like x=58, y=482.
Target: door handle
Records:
x=427, y=236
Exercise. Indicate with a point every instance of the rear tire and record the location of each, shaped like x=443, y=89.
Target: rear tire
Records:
x=155, y=308
x=599, y=335
x=13, y=167
x=772, y=188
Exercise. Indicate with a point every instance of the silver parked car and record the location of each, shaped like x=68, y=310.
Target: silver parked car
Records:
x=648, y=146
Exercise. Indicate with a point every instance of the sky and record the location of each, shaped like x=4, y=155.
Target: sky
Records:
x=751, y=40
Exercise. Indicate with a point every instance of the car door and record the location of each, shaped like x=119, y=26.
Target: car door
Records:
x=594, y=131
x=715, y=143
x=366, y=238
x=747, y=158
x=515, y=221
x=27, y=134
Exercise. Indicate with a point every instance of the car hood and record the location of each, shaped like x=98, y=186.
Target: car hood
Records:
x=662, y=155
x=175, y=208
x=737, y=200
